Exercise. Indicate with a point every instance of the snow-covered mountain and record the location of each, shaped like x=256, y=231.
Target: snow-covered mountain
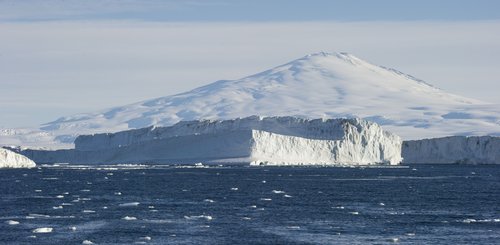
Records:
x=320, y=85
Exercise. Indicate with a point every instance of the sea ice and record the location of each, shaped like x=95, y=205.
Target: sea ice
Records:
x=12, y=222
x=43, y=230
x=10, y=159
x=129, y=218
x=129, y=204
x=206, y=217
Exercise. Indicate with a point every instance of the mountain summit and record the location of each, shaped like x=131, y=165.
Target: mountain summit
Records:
x=327, y=85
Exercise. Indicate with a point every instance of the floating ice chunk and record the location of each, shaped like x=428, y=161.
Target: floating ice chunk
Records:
x=129, y=218
x=278, y=192
x=253, y=206
x=12, y=222
x=287, y=196
x=146, y=238
x=11, y=159
x=151, y=207
x=209, y=200
x=73, y=228
x=118, y=193
x=340, y=207
x=263, y=182
x=381, y=204
x=43, y=230
x=32, y=216
x=410, y=234
x=480, y=220
x=88, y=211
x=129, y=204
x=293, y=227
x=57, y=207
x=266, y=199
x=193, y=217
x=87, y=242
x=38, y=190
x=354, y=213
x=246, y=218
x=59, y=196
x=234, y=188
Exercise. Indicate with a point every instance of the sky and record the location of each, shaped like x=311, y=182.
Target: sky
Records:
x=65, y=57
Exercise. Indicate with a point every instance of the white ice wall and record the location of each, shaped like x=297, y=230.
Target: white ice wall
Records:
x=455, y=149
x=292, y=126
x=274, y=140
x=10, y=159
x=364, y=143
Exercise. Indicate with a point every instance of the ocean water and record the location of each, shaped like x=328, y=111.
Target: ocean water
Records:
x=136, y=204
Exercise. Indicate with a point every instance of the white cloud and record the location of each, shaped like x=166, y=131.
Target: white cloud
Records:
x=94, y=65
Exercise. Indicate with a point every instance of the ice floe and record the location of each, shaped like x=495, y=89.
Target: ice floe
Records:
x=129, y=204
x=12, y=222
x=196, y=217
x=43, y=230
x=129, y=218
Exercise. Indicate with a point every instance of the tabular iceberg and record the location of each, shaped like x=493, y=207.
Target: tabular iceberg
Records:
x=454, y=149
x=9, y=159
x=257, y=140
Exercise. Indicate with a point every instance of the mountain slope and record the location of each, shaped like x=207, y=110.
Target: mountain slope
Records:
x=317, y=85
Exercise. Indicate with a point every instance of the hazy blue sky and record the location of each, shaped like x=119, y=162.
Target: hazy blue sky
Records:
x=70, y=56
x=255, y=10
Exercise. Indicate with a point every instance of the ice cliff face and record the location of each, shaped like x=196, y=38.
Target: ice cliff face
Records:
x=456, y=149
x=9, y=159
x=362, y=143
x=260, y=140
x=291, y=126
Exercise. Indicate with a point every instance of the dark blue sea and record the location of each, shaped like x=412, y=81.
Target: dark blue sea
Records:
x=136, y=204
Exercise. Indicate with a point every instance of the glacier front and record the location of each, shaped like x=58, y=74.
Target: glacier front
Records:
x=453, y=149
x=10, y=159
x=255, y=140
